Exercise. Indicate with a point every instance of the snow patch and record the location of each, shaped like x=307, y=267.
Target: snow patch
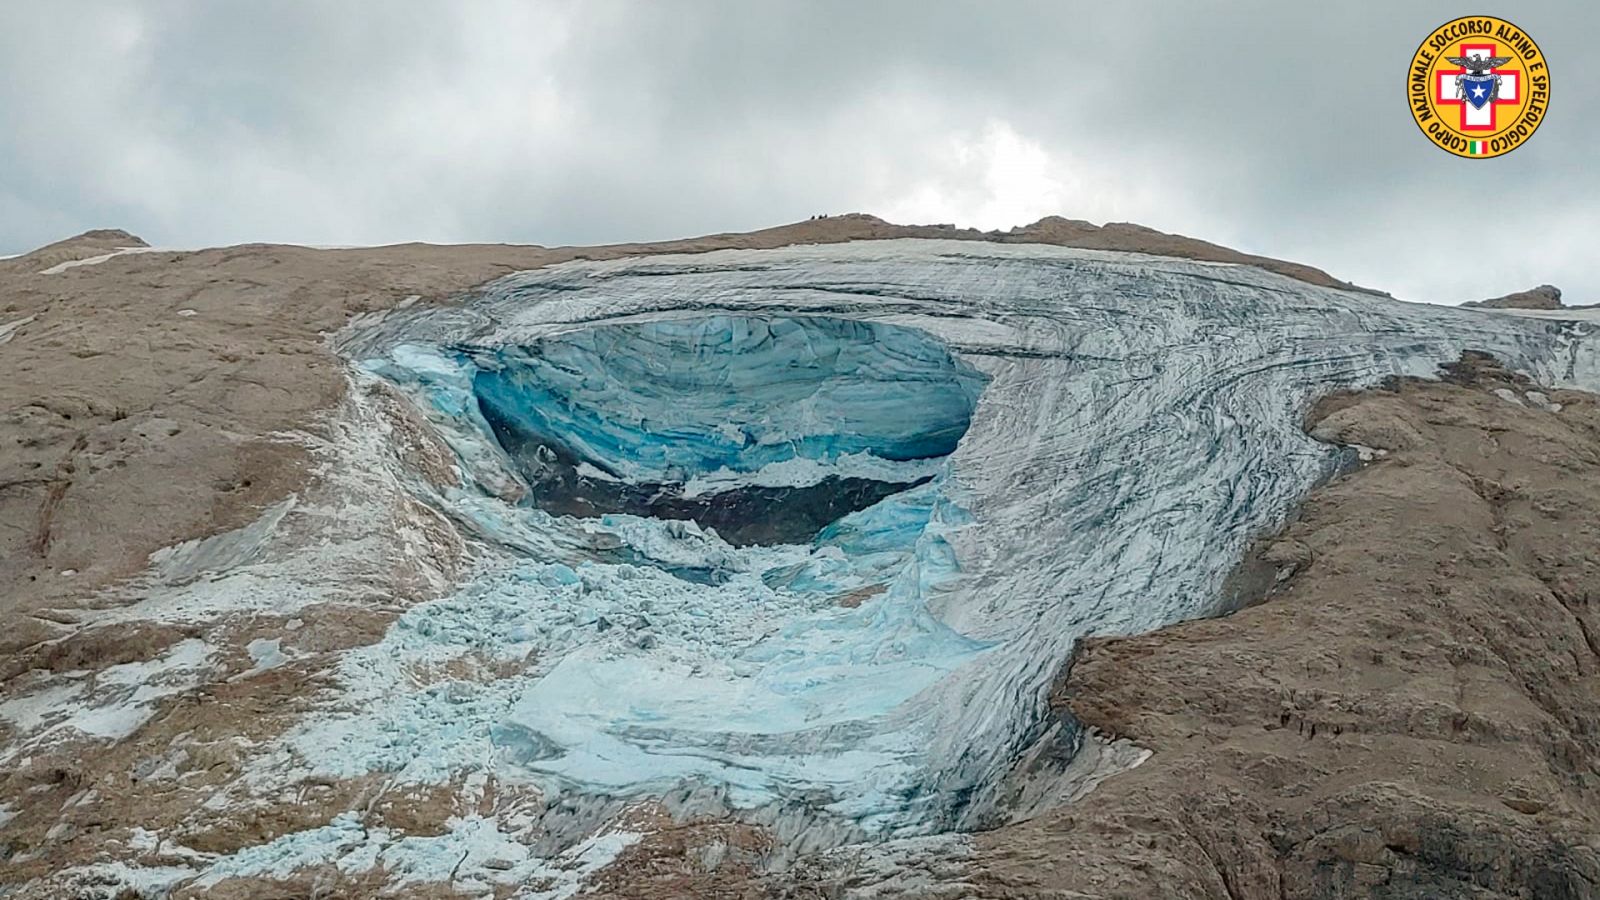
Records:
x=474, y=854
x=9, y=330
x=804, y=472
x=117, y=879
x=1509, y=396
x=265, y=654
x=58, y=268
x=1542, y=401
x=108, y=705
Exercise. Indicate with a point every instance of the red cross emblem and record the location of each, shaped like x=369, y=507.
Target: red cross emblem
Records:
x=1473, y=118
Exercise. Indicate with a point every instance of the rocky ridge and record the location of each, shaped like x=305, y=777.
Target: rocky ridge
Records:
x=1545, y=296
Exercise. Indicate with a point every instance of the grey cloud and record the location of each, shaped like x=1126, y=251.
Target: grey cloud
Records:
x=1279, y=128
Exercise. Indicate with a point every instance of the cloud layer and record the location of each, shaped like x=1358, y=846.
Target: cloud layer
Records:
x=1273, y=127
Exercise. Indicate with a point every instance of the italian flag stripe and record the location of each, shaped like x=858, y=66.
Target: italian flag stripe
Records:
x=1477, y=148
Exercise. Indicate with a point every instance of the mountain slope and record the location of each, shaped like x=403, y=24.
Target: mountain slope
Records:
x=319, y=579
x=1410, y=714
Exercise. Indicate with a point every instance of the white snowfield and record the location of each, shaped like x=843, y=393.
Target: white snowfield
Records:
x=1085, y=442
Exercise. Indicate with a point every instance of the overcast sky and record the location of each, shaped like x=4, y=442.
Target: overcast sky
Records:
x=1275, y=127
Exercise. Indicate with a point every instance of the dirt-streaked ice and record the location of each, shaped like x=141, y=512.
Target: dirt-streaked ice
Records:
x=1139, y=424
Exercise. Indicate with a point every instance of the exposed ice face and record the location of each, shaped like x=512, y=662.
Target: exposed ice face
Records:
x=1139, y=423
x=640, y=652
x=763, y=428
x=663, y=401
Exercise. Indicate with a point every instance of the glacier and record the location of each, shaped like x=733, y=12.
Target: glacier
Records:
x=805, y=535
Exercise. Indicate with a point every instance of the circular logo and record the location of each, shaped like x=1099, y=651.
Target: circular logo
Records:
x=1478, y=87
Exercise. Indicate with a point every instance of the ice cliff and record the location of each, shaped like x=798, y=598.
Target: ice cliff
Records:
x=806, y=534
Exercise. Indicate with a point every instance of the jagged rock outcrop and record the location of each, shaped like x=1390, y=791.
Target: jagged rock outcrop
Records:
x=1130, y=238
x=1545, y=296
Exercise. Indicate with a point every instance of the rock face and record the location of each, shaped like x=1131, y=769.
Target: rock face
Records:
x=331, y=577
x=1545, y=296
x=1411, y=714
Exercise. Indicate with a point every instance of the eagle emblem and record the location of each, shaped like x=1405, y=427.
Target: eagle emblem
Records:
x=1478, y=85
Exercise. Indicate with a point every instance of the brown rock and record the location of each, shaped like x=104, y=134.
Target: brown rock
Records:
x=1545, y=296
x=1393, y=720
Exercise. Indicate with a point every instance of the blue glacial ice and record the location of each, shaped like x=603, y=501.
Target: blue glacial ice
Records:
x=990, y=451
x=663, y=401
x=650, y=652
